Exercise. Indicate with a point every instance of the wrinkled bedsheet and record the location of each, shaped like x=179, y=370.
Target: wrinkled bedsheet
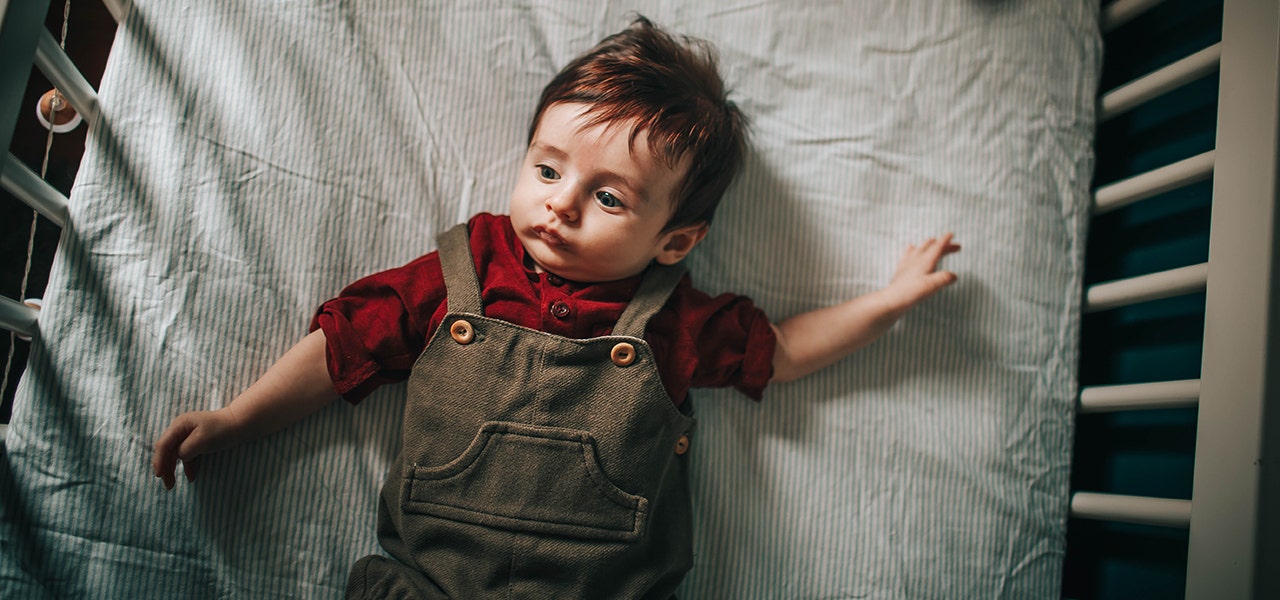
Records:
x=254, y=156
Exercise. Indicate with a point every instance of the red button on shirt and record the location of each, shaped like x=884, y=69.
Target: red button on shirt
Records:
x=560, y=310
x=378, y=326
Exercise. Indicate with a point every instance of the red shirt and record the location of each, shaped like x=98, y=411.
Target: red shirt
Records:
x=376, y=328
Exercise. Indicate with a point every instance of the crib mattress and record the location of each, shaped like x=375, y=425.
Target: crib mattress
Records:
x=254, y=156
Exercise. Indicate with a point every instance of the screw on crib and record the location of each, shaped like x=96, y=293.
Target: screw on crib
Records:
x=55, y=113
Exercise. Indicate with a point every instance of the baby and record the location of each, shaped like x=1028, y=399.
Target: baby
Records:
x=549, y=353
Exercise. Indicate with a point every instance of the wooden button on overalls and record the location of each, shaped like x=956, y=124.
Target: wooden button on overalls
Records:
x=623, y=354
x=462, y=332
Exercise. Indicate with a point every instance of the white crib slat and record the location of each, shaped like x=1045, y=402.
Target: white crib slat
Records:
x=17, y=317
x=1122, y=11
x=1144, y=288
x=1140, y=396
x=34, y=191
x=55, y=64
x=1152, y=183
x=117, y=8
x=1158, y=82
x=1142, y=510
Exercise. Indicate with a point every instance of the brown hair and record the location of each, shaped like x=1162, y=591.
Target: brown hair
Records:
x=673, y=91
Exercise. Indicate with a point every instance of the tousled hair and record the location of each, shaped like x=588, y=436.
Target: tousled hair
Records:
x=671, y=89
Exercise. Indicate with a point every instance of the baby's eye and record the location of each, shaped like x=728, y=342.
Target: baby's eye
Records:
x=547, y=173
x=608, y=200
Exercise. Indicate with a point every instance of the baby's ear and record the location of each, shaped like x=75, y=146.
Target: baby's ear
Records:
x=677, y=243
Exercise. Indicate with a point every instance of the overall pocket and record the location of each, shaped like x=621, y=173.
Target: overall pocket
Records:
x=543, y=480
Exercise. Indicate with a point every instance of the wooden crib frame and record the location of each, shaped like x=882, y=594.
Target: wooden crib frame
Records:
x=1234, y=541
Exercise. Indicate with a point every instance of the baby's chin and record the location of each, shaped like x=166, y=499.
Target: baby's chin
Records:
x=560, y=261
x=577, y=274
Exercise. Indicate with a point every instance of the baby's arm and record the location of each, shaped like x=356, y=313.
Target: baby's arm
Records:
x=812, y=340
x=295, y=386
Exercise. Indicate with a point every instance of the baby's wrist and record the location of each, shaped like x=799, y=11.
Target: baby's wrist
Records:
x=894, y=301
x=237, y=426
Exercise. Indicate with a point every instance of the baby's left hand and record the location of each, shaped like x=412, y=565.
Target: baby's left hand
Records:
x=917, y=276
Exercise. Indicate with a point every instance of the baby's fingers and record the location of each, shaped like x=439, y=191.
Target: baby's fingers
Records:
x=946, y=246
x=940, y=279
x=940, y=246
x=164, y=461
x=931, y=251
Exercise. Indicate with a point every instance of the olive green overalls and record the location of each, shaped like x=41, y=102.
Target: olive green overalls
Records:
x=534, y=465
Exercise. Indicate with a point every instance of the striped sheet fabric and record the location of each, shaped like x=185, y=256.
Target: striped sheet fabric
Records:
x=255, y=155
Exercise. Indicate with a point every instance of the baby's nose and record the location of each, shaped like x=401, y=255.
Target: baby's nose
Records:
x=564, y=206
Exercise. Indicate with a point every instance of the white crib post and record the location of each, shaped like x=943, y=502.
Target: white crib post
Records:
x=20, y=23
x=1234, y=543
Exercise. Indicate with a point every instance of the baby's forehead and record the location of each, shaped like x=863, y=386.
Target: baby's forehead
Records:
x=612, y=120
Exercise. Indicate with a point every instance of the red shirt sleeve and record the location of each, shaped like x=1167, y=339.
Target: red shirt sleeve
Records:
x=721, y=341
x=378, y=326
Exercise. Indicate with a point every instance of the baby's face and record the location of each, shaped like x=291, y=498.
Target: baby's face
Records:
x=588, y=205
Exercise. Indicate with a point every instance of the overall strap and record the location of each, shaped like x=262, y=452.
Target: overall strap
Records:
x=460, y=281
x=658, y=283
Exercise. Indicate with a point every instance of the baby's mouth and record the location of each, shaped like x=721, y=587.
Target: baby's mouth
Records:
x=549, y=236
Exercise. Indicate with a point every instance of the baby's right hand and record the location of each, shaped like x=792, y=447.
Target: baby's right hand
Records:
x=189, y=436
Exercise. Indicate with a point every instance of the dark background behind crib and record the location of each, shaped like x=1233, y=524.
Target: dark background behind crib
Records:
x=1149, y=453
x=1144, y=453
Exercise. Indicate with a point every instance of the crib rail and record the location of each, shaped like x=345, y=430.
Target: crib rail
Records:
x=1139, y=510
x=1230, y=519
x=1122, y=11
x=25, y=41
x=1159, y=82
x=1145, y=288
x=20, y=23
x=21, y=181
x=1144, y=510
x=1235, y=532
x=55, y=65
x=17, y=317
x=1170, y=177
x=27, y=186
x=117, y=8
x=1183, y=393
